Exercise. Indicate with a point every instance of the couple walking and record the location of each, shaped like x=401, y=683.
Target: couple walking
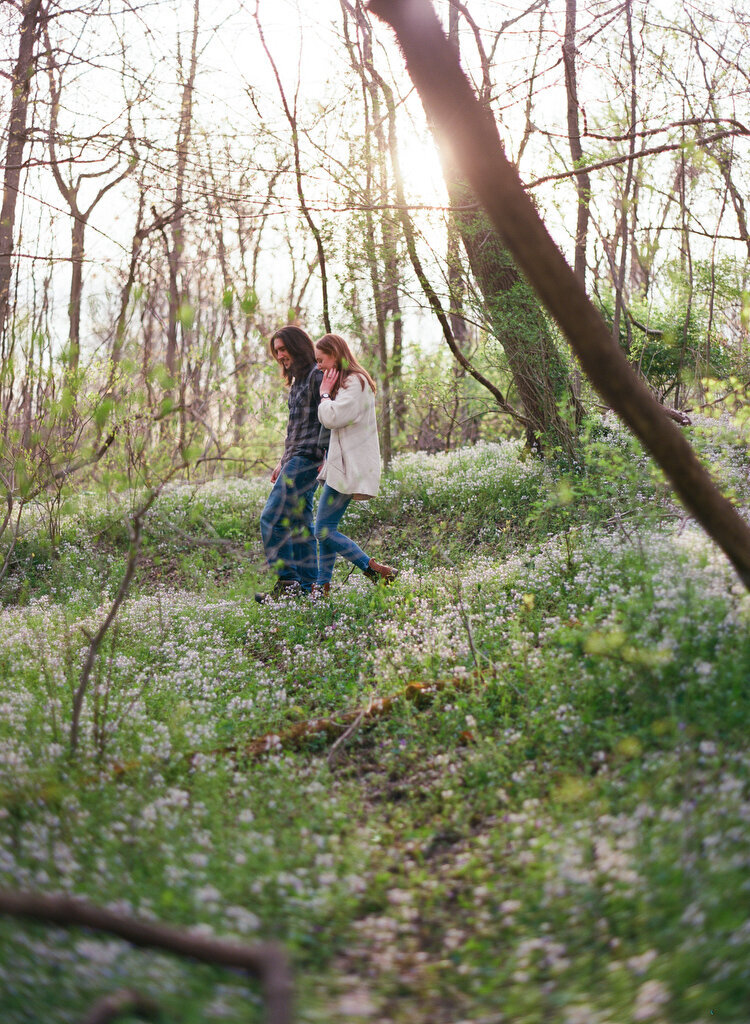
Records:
x=331, y=407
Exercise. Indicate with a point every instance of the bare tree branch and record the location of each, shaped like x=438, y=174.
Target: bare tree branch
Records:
x=265, y=961
x=291, y=116
x=614, y=161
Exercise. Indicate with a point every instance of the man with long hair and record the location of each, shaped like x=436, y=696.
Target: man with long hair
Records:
x=286, y=524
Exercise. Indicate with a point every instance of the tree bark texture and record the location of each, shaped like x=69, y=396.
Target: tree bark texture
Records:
x=21, y=84
x=628, y=203
x=583, y=181
x=539, y=375
x=453, y=324
x=78, y=233
x=176, y=250
x=473, y=141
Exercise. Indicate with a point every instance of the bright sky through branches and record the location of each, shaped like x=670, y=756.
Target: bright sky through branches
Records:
x=128, y=53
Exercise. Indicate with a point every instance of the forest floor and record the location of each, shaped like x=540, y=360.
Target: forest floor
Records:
x=548, y=822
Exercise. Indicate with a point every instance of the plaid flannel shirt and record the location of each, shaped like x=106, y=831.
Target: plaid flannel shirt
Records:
x=303, y=429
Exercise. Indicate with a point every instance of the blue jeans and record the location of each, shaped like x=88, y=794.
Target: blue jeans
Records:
x=286, y=523
x=331, y=508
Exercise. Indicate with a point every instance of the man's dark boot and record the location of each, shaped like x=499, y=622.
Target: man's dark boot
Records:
x=281, y=588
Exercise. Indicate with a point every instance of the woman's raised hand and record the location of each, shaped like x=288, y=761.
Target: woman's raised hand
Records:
x=330, y=377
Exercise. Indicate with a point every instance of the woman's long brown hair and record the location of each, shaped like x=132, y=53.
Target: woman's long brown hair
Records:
x=334, y=345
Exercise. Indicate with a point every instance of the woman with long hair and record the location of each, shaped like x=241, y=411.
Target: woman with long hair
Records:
x=352, y=468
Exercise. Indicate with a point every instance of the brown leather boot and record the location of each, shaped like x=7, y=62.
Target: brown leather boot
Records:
x=377, y=573
x=320, y=590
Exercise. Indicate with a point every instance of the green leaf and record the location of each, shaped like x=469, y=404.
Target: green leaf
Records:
x=160, y=375
x=249, y=303
x=745, y=312
x=191, y=452
x=22, y=476
x=67, y=400
x=565, y=493
x=186, y=315
x=103, y=411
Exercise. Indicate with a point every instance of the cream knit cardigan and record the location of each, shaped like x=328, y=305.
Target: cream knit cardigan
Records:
x=353, y=462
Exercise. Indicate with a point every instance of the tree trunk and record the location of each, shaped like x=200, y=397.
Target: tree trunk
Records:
x=178, y=236
x=724, y=162
x=627, y=203
x=118, y=339
x=78, y=232
x=381, y=234
x=451, y=104
x=686, y=261
x=469, y=424
x=265, y=961
x=21, y=84
x=583, y=180
x=457, y=319
x=539, y=375
x=70, y=190
x=291, y=116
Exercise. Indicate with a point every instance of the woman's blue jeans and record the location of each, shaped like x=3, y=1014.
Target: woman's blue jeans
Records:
x=286, y=523
x=331, y=508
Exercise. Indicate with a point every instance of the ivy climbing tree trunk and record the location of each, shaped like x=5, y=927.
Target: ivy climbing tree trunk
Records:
x=539, y=374
x=540, y=377
x=475, y=144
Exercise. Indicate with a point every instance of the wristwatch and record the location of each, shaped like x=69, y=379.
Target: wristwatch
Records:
x=323, y=394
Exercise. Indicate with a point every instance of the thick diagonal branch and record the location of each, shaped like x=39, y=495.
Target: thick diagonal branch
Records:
x=472, y=139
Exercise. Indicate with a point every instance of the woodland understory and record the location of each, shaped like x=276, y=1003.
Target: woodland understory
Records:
x=511, y=787
x=514, y=787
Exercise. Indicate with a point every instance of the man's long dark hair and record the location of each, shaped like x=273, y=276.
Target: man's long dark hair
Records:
x=300, y=347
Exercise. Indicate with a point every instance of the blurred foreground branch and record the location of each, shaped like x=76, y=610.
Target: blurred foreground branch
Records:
x=265, y=961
